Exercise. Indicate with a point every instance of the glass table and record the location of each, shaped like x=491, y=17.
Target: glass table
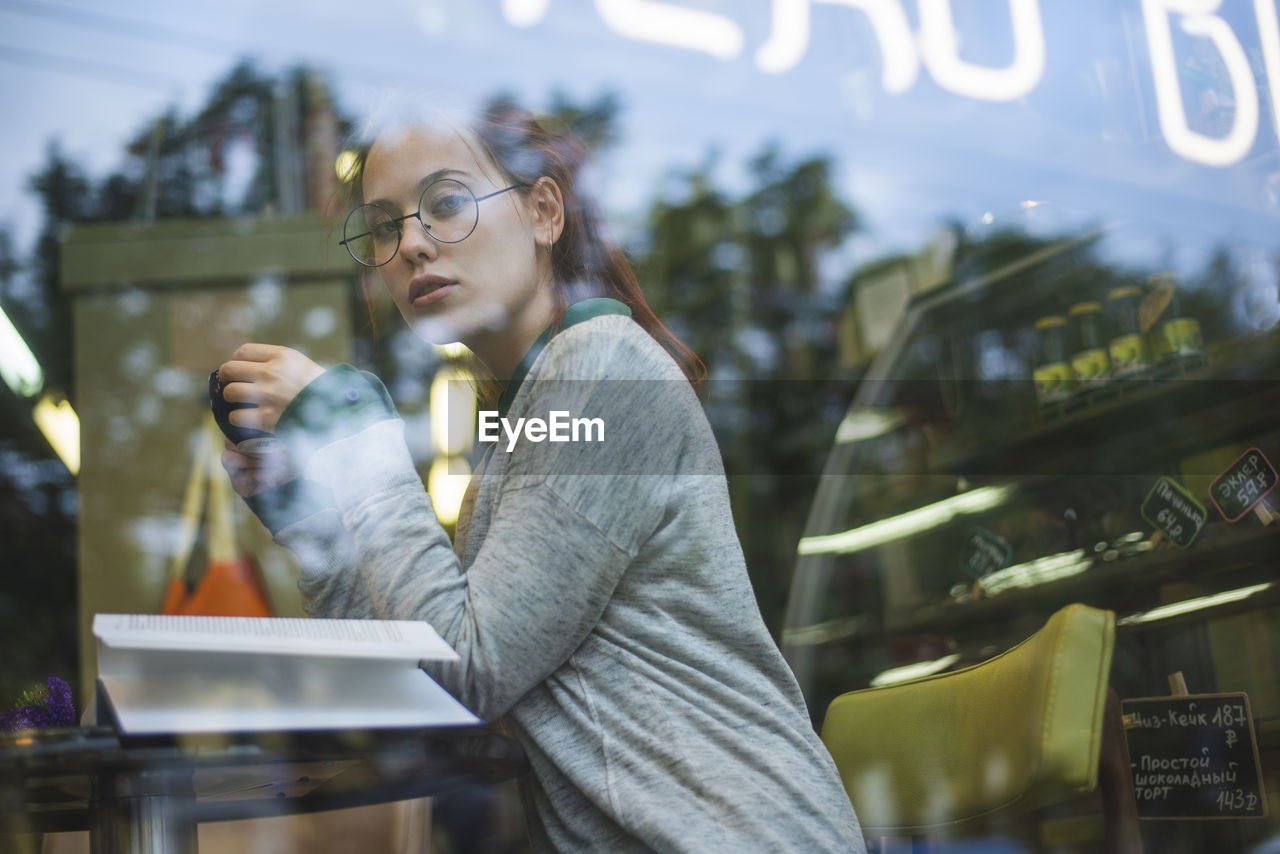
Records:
x=148, y=794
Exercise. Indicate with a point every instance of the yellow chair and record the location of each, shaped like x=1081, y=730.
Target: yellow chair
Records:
x=1025, y=729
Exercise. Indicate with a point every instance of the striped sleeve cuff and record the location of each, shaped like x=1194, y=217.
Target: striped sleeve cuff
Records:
x=281, y=506
x=339, y=403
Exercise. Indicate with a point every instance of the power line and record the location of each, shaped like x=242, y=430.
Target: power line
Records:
x=132, y=27
x=84, y=68
x=137, y=28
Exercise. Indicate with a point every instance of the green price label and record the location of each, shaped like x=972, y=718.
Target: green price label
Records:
x=1174, y=511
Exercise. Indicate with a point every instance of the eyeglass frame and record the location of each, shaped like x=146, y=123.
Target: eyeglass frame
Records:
x=396, y=220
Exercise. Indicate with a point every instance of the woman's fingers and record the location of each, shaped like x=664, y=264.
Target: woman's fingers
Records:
x=254, y=473
x=251, y=417
x=237, y=370
x=251, y=352
x=267, y=376
x=244, y=475
x=246, y=390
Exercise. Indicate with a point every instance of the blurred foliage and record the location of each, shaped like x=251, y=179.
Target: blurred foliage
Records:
x=739, y=280
x=594, y=124
x=174, y=167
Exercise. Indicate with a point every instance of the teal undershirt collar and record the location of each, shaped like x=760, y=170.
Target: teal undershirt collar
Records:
x=576, y=313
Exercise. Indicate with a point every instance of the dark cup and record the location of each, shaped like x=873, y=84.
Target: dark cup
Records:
x=222, y=410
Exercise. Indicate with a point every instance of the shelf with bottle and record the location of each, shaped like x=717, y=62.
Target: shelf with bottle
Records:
x=1171, y=411
x=1139, y=335
x=1165, y=399
x=1139, y=376
x=1088, y=360
x=991, y=552
x=1133, y=432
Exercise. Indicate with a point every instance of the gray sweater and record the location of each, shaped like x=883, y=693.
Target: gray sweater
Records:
x=598, y=598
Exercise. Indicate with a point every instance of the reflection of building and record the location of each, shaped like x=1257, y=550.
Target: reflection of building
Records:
x=156, y=308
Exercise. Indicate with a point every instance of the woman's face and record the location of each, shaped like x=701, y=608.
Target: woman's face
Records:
x=469, y=291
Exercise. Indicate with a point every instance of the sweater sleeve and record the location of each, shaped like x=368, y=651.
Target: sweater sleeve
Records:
x=301, y=514
x=302, y=517
x=329, y=585
x=568, y=519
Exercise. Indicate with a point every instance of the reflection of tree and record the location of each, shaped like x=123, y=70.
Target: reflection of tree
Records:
x=739, y=280
x=175, y=167
x=594, y=124
x=688, y=264
x=43, y=314
x=1203, y=296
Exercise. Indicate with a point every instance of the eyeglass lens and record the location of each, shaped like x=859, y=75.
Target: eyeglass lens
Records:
x=447, y=210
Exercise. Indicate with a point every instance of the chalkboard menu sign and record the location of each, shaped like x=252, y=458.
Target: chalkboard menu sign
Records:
x=1194, y=757
x=1174, y=511
x=984, y=553
x=1246, y=482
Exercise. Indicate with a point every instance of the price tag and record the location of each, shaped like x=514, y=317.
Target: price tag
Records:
x=984, y=553
x=1174, y=512
x=1245, y=483
x=1194, y=757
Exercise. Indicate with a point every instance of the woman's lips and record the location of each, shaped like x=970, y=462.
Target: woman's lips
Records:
x=425, y=290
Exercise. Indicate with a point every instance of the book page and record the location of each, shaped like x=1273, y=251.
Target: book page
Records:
x=213, y=694
x=386, y=639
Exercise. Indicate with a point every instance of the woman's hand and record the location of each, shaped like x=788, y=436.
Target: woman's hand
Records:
x=254, y=473
x=267, y=376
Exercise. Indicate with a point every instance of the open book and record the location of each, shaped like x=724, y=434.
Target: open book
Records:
x=167, y=674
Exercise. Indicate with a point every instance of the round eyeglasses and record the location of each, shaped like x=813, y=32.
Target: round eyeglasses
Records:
x=447, y=210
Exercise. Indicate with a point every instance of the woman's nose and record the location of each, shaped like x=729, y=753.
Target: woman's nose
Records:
x=414, y=240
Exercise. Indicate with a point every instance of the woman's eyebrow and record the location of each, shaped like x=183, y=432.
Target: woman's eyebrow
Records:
x=422, y=185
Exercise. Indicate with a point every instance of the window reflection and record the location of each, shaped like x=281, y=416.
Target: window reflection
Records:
x=854, y=212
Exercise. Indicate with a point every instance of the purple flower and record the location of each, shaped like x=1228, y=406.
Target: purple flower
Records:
x=59, y=702
x=17, y=720
x=42, y=708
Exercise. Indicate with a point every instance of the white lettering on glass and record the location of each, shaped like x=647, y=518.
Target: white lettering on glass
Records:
x=1269, y=33
x=789, y=39
x=1198, y=20
x=939, y=44
x=524, y=13
x=670, y=24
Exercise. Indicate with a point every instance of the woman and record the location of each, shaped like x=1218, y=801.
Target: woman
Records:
x=596, y=592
